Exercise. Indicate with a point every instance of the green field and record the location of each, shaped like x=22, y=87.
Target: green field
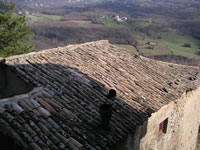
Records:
x=128, y=47
x=110, y=23
x=38, y=17
x=175, y=43
x=171, y=43
x=159, y=49
x=90, y=14
x=137, y=24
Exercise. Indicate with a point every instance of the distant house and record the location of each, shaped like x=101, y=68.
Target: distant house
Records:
x=118, y=19
x=20, y=13
x=103, y=17
x=156, y=108
x=124, y=18
x=151, y=43
x=27, y=13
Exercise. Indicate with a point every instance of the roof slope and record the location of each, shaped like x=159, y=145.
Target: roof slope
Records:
x=76, y=80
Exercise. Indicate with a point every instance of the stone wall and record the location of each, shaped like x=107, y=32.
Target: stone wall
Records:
x=183, y=123
x=182, y=129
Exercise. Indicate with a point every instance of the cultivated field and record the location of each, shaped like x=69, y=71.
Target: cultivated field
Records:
x=168, y=25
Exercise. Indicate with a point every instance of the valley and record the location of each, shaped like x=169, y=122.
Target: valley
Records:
x=165, y=30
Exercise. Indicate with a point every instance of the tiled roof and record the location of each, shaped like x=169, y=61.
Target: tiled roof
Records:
x=72, y=82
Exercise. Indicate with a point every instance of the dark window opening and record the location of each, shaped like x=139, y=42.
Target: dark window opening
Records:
x=163, y=127
x=198, y=140
x=11, y=84
x=7, y=143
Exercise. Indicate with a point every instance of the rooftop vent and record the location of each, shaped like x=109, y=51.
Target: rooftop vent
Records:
x=10, y=84
x=106, y=110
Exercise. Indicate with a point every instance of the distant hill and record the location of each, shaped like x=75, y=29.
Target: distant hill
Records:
x=51, y=3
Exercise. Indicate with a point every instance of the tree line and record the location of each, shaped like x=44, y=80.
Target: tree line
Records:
x=14, y=32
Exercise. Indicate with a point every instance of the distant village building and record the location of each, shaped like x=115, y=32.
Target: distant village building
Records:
x=23, y=13
x=20, y=13
x=124, y=18
x=156, y=106
x=27, y=13
x=151, y=43
x=118, y=19
x=103, y=17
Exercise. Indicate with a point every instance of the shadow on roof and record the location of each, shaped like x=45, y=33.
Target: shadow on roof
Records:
x=83, y=96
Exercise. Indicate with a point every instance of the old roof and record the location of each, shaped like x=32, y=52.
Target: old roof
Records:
x=71, y=83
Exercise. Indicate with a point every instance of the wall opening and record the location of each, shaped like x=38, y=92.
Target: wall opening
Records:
x=198, y=140
x=11, y=84
x=7, y=143
x=163, y=127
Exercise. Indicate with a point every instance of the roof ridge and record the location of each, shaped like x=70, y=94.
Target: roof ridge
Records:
x=15, y=99
x=99, y=42
x=59, y=48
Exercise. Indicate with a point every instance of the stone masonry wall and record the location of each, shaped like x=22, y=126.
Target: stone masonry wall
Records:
x=183, y=123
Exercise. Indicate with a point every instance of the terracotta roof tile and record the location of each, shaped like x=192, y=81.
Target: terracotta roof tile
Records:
x=25, y=106
x=16, y=125
x=62, y=138
x=31, y=132
x=43, y=112
x=69, y=113
x=53, y=123
x=35, y=127
x=2, y=110
x=56, y=105
x=36, y=112
x=34, y=103
x=75, y=143
x=47, y=106
x=35, y=146
x=7, y=116
x=45, y=130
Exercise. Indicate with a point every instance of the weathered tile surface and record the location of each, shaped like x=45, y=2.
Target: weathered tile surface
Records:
x=64, y=113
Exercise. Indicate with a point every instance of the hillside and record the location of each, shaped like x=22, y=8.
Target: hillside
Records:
x=170, y=25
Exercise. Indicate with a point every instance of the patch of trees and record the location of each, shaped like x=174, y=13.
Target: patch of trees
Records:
x=187, y=45
x=14, y=33
x=189, y=27
x=198, y=53
x=62, y=36
x=177, y=59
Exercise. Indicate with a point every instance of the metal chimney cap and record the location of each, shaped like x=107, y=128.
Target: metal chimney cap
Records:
x=2, y=60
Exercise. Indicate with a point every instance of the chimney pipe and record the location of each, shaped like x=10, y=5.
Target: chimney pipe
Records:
x=112, y=93
x=106, y=110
